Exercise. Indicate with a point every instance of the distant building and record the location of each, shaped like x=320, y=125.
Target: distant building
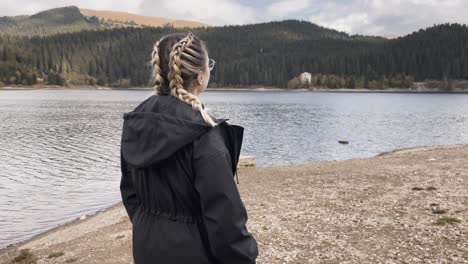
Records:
x=303, y=80
x=306, y=78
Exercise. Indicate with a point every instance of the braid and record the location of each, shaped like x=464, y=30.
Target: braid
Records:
x=158, y=79
x=175, y=78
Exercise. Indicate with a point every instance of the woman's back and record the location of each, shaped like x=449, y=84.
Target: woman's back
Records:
x=178, y=186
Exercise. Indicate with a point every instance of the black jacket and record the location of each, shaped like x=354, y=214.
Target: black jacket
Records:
x=178, y=186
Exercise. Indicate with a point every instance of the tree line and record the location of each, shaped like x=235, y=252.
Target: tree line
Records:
x=266, y=54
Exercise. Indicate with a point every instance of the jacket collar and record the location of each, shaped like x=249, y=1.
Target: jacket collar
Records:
x=233, y=138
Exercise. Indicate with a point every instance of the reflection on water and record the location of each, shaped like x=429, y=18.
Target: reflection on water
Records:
x=59, y=150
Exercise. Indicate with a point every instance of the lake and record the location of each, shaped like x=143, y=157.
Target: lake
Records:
x=59, y=150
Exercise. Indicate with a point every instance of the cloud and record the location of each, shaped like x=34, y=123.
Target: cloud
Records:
x=374, y=17
x=214, y=12
x=287, y=7
x=370, y=17
x=378, y=17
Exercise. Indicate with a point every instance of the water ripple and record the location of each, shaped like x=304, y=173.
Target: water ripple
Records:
x=59, y=150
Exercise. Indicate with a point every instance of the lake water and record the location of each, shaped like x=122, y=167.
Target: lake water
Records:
x=59, y=150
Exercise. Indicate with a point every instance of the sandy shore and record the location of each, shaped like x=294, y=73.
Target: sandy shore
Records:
x=408, y=206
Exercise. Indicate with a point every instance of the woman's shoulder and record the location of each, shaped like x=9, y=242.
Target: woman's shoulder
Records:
x=209, y=144
x=212, y=138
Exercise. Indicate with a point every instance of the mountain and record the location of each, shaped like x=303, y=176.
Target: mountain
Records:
x=139, y=20
x=53, y=21
x=263, y=54
x=72, y=19
x=436, y=52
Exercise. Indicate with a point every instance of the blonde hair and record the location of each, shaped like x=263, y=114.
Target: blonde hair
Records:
x=180, y=58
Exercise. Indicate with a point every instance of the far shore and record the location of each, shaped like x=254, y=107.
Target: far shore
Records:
x=253, y=88
x=54, y=87
x=404, y=206
x=388, y=90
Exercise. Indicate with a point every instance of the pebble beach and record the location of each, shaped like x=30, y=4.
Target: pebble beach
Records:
x=406, y=206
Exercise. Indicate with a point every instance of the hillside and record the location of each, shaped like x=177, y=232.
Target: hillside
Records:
x=49, y=22
x=257, y=54
x=264, y=54
x=126, y=18
x=72, y=19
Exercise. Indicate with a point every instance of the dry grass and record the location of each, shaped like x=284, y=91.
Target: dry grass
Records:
x=56, y=254
x=438, y=211
x=25, y=257
x=139, y=19
x=447, y=220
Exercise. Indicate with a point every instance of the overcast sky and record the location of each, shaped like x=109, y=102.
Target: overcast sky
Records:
x=374, y=17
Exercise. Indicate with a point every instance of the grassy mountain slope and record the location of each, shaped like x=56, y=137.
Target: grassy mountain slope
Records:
x=72, y=19
x=53, y=21
x=140, y=20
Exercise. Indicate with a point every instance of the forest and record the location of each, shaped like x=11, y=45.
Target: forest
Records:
x=264, y=54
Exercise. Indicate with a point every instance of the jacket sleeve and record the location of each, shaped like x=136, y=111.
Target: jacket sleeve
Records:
x=223, y=212
x=129, y=198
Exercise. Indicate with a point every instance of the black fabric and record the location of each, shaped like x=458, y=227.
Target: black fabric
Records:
x=178, y=186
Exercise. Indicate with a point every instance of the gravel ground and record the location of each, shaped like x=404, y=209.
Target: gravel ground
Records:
x=383, y=209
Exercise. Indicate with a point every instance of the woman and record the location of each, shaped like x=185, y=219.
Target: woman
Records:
x=178, y=165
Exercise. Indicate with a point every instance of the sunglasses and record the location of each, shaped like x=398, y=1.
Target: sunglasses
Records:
x=211, y=64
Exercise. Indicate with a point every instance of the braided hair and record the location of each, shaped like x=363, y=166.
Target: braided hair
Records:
x=176, y=60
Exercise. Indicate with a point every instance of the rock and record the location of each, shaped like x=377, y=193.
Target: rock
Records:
x=246, y=161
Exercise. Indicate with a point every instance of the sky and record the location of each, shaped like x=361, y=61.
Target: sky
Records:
x=367, y=17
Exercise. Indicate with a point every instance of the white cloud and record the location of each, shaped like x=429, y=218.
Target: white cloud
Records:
x=287, y=7
x=379, y=17
x=375, y=17
x=215, y=12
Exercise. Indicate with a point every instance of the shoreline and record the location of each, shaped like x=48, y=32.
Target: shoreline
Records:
x=24, y=88
x=419, y=148
x=114, y=216
x=389, y=90
x=105, y=209
x=256, y=89
x=67, y=224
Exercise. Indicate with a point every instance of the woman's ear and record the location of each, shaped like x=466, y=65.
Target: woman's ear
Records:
x=200, y=78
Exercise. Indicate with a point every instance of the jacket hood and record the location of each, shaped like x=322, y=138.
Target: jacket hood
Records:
x=158, y=127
